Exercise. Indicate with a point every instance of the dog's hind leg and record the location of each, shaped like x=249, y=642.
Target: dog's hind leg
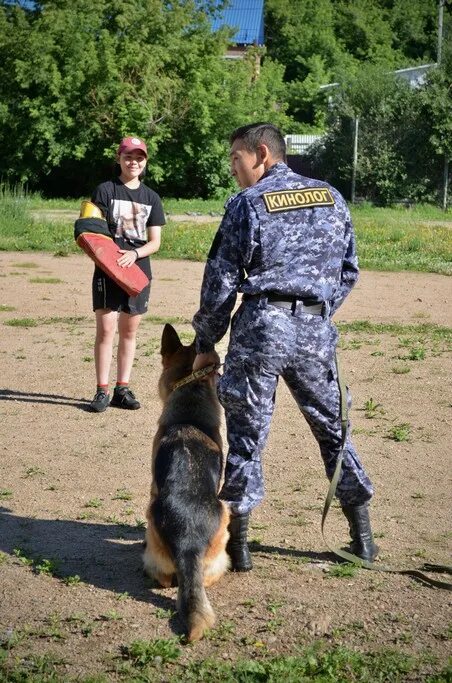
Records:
x=156, y=560
x=216, y=560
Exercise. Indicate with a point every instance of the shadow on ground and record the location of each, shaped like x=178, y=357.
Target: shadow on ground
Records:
x=107, y=556
x=104, y=555
x=52, y=399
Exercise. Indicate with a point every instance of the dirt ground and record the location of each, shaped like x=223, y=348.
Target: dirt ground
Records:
x=74, y=485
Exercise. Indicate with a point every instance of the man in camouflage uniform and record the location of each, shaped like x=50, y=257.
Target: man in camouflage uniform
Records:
x=286, y=243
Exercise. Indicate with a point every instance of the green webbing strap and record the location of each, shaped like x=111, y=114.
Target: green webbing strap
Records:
x=197, y=374
x=350, y=557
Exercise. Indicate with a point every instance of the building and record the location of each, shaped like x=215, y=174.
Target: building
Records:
x=247, y=18
x=299, y=144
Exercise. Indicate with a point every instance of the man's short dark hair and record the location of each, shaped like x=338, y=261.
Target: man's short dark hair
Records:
x=255, y=134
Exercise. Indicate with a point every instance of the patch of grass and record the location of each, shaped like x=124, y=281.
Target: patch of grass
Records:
x=416, y=354
x=390, y=239
x=85, y=515
x=201, y=206
x=111, y=615
x=122, y=494
x=143, y=652
x=4, y=308
x=22, y=557
x=400, y=432
x=74, y=580
x=343, y=570
x=47, y=567
x=273, y=625
x=387, y=238
x=317, y=664
x=222, y=633
x=31, y=668
x=186, y=337
x=25, y=264
x=172, y=320
x=371, y=408
x=21, y=322
x=46, y=280
x=34, y=322
x=5, y=493
x=93, y=503
x=274, y=606
x=424, y=329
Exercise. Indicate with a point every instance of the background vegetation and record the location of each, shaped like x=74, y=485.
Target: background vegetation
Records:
x=88, y=73
x=388, y=238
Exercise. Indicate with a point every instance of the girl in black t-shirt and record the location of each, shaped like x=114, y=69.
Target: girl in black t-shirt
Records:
x=134, y=214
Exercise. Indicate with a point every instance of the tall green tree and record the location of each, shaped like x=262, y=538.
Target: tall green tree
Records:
x=324, y=41
x=89, y=73
x=405, y=135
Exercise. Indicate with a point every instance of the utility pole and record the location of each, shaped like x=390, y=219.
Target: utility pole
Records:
x=441, y=4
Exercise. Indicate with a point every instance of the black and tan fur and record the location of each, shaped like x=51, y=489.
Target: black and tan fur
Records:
x=187, y=523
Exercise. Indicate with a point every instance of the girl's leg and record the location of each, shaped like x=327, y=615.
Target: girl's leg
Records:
x=127, y=328
x=106, y=322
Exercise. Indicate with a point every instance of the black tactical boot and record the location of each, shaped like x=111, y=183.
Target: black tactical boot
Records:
x=362, y=543
x=237, y=547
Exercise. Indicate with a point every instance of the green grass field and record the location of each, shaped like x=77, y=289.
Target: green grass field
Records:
x=389, y=239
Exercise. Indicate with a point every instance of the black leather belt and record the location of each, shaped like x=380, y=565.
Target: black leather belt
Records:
x=290, y=302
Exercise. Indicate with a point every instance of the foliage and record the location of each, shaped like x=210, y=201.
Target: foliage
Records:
x=320, y=41
x=388, y=239
x=404, y=134
x=89, y=73
x=142, y=652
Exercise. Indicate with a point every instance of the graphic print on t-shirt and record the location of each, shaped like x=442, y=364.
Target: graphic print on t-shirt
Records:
x=131, y=218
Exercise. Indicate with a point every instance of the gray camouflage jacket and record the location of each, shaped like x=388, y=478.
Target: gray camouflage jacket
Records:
x=287, y=234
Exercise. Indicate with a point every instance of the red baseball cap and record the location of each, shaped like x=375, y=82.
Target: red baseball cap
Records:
x=131, y=144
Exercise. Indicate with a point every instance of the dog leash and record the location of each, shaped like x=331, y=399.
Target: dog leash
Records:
x=197, y=374
x=350, y=557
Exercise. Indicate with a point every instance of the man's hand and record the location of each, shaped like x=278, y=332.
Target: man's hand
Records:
x=204, y=359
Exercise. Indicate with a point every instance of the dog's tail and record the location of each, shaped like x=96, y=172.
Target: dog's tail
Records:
x=193, y=605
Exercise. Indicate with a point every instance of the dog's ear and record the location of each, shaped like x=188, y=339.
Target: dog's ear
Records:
x=170, y=341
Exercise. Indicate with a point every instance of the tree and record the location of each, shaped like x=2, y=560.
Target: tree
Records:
x=91, y=73
x=405, y=133
x=325, y=41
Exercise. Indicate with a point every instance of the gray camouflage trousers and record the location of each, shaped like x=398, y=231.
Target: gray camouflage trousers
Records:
x=267, y=342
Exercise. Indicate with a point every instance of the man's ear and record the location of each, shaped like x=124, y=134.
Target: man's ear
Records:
x=264, y=155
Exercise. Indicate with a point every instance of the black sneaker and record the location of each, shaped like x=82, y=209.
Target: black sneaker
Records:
x=124, y=398
x=100, y=402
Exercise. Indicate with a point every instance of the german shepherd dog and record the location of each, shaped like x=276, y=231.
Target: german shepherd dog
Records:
x=187, y=524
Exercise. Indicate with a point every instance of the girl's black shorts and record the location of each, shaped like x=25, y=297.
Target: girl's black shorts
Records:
x=107, y=294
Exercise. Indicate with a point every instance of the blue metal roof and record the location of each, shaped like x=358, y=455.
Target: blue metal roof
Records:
x=245, y=15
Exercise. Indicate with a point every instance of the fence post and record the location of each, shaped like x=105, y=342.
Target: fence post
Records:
x=445, y=182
